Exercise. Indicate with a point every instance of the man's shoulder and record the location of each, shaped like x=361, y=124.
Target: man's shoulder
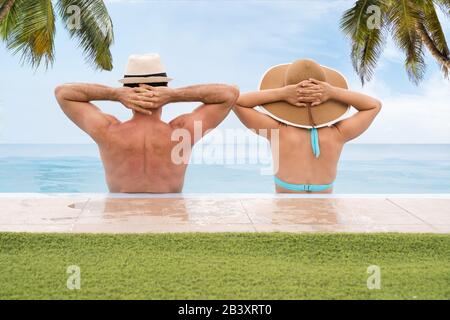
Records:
x=112, y=119
x=179, y=122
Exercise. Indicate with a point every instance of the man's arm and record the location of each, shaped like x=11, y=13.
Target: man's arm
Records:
x=217, y=99
x=368, y=107
x=75, y=101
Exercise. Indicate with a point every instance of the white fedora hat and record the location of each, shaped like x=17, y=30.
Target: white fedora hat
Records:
x=144, y=68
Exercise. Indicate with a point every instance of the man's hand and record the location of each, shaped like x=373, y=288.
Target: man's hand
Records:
x=160, y=96
x=136, y=99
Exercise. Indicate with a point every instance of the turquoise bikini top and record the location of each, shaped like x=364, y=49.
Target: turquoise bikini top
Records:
x=315, y=142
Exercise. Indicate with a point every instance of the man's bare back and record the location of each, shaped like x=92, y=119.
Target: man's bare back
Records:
x=137, y=154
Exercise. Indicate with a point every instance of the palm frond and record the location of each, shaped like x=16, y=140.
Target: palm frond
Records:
x=10, y=19
x=354, y=20
x=367, y=43
x=433, y=28
x=403, y=18
x=5, y=7
x=95, y=33
x=30, y=31
x=444, y=5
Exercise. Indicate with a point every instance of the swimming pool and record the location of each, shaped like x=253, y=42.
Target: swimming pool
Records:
x=370, y=169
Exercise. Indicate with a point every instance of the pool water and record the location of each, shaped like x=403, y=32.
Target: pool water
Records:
x=371, y=169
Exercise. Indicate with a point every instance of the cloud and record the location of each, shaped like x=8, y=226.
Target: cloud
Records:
x=419, y=117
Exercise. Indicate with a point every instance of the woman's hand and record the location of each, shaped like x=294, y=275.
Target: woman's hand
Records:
x=136, y=99
x=315, y=92
x=291, y=94
x=310, y=91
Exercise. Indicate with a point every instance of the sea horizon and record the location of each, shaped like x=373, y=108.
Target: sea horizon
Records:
x=363, y=168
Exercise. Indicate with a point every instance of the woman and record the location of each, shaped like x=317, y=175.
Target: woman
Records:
x=308, y=152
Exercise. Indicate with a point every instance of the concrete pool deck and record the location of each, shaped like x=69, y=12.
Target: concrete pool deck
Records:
x=120, y=213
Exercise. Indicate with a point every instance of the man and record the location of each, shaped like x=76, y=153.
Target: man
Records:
x=137, y=154
x=302, y=101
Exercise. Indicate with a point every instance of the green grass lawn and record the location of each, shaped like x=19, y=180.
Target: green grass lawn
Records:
x=225, y=266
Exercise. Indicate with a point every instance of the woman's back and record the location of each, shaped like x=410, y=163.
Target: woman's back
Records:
x=297, y=162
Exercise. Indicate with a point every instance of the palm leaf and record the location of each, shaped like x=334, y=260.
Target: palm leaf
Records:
x=367, y=43
x=30, y=31
x=444, y=5
x=434, y=29
x=95, y=34
x=5, y=7
x=403, y=18
x=10, y=20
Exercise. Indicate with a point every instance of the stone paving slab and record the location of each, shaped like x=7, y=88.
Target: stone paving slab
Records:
x=111, y=213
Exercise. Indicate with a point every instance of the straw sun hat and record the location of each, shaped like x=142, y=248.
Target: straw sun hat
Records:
x=322, y=115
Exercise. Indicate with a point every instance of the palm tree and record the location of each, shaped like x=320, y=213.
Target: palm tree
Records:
x=413, y=25
x=28, y=27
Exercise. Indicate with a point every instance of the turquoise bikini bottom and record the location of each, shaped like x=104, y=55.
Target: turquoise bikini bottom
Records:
x=302, y=187
x=307, y=187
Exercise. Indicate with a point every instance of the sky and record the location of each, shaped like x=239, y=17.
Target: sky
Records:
x=222, y=42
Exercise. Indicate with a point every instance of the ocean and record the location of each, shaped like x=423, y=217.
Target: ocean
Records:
x=363, y=169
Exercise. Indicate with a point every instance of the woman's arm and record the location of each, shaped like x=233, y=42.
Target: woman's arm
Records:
x=368, y=107
x=291, y=94
x=253, y=119
x=257, y=98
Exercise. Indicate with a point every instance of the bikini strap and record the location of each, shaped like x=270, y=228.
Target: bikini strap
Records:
x=315, y=142
x=314, y=133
